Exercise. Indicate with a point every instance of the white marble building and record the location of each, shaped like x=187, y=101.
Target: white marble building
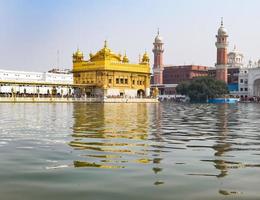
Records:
x=235, y=59
x=23, y=82
x=243, y=82
x=248, y=76
x=249, y=79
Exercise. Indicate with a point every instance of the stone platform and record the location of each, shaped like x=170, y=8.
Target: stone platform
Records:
x=75, y=100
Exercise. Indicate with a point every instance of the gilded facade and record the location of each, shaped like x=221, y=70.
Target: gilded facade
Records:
x=108, y=74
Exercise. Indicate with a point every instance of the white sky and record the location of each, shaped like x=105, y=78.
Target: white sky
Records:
x=32, y=31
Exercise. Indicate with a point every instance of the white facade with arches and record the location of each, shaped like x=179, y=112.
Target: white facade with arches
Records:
x=22, y=82
x=254, y=82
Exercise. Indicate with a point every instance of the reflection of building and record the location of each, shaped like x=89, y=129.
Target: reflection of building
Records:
x=109, y=74
x=23, y=82
x=108, y=133
x=226, y=118
x=222, y=146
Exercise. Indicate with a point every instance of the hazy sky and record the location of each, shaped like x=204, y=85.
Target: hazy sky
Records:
x=32, y=31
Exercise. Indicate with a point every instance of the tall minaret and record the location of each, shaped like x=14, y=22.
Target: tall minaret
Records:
x=221, y=44
x=158, y=59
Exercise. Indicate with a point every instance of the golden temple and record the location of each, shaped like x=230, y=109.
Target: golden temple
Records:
x=107, y=74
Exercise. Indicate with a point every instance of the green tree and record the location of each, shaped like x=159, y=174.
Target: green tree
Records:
x=202, y=88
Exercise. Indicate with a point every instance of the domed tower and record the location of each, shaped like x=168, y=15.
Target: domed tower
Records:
x=145, y=59
x=221, y=44
x=235, y=59
x=78, y=56
x=158, y=59
x=125, y=59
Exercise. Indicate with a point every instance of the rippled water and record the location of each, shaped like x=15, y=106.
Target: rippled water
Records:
x=129, y=151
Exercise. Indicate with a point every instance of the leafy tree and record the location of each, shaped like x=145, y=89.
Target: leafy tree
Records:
x=202, y=88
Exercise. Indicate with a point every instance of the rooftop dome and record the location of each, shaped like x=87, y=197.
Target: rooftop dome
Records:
x=145, y=58
x=222, y=30
x=235, y=51
x=105, y=54
x=125, y=59
x=158, y=38
x=78, y=53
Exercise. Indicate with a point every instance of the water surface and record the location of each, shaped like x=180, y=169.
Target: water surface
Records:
x=129, y=151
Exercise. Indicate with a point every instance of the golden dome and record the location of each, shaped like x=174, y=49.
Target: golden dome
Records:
x=105, y=51
x=78, y=56
x=125, y=59
x=145, y=58
x=105, y=54
x=78, y=53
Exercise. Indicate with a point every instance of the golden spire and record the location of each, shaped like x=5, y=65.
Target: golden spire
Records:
x=125, y=58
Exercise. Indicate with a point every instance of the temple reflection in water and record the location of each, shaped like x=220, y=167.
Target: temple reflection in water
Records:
x=109, y=135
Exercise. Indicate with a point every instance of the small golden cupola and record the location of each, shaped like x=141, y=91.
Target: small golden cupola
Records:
x=78, y=56
x=125, y=59
x=145, y=58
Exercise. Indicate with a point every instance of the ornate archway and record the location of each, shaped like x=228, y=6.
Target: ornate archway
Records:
x=254, y=82
x=140, y=93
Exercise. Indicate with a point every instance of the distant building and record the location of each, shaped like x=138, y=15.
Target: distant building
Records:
x=60, y=71
x=243, y=83
x=178, y=74
x=158, y=60
x=249, y=80
x=253, y=82
x=232, y=63
x=108, y=74
x=166, y=78
x=235, y=59
x=243, y=79
x=24, y=82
